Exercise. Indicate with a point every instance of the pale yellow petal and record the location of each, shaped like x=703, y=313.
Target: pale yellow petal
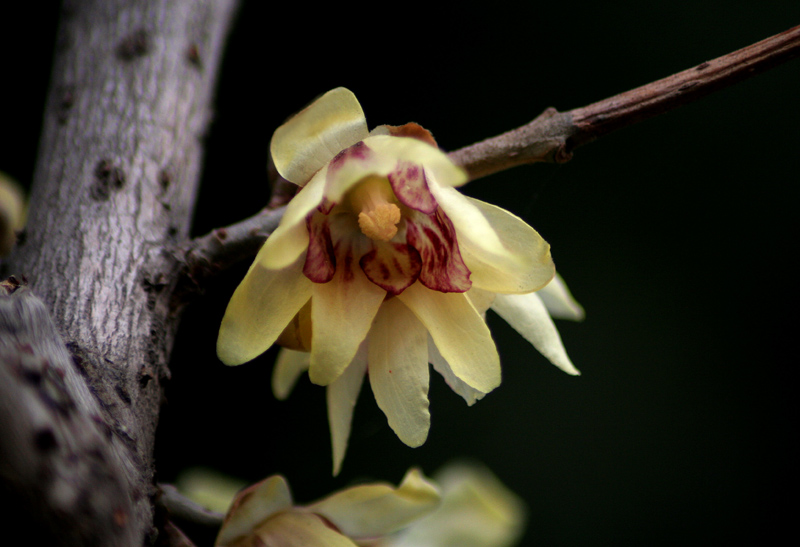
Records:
x=290, y=238
x=523, y=265
x=341, y=396
x=341, y=314
x=398, y=371
x=312, y=137
x=440, y=365
x=253, y=506
x=481, y=299
x=289, y=365
x=372, y=510
x=559, y=301
x=262, y=305
x=528, y=316
x=299, y=529
x=459, y=332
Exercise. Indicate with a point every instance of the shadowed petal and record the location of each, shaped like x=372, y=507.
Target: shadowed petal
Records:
x=459, y=332
x=391, y=266
x=341, y=314
x=299, y=529
x=289, y=365
x=260, y=308
x=320, y=262
x=316, y=134
x=411, y=187
x=559, y=301
x=528, y=316
x=521, y=264
x=440, y=365
x=374, y=510
x=398, y=371
x=434, y=237
x=252, y=506
x=341, y=396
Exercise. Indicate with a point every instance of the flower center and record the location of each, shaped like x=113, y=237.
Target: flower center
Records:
x=378, y=213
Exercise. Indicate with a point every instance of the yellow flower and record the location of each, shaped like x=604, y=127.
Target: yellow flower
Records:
x=477, y=510
x=264, y=514
x=377, y=260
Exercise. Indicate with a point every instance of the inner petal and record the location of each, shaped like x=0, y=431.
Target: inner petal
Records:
x=391, y=266
x=434, y=237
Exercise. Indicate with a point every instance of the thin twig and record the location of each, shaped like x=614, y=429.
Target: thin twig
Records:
x=554, y=135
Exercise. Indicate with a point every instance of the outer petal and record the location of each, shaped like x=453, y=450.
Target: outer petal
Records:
x=289, y=365
x=504, y=254
x=470, y=395
x=459, y=332
x=262, y=305
x=398, y=371
x=253, y=506
x=299, y=529
x=559, y=301
x=290, y=238
x=341, y=396
x=527, y=314
x=378, y=509
x=342, y=311
x=311, y=138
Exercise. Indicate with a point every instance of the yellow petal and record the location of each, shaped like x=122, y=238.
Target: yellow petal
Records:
x=253, y=506
x=341, y=396
x=341, y=314
x=521, y=264
x=262, y=305
x=459, y=332
x=398, y=371
x=377, y=509
x=311, y=138
x=527, y=314
x=559, y=301
x=440, y=365
x=289, y=365
x=299, y=529
x=290, y=238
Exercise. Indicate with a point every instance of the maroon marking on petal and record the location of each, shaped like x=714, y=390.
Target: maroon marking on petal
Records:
x=392, y=266
x=320, y=262
x=359, y=151
x=411, y=187
x=326, y=206
x=434, y=237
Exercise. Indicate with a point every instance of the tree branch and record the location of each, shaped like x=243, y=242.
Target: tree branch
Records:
x=554, y=135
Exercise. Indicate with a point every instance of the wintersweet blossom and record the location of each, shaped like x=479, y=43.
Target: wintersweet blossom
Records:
x=477, y=510
x=380, y=264
x=264, y=514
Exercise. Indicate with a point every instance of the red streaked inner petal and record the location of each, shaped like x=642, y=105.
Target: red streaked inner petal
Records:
x=320, y=262
x=434, y=237
x=411, y=187
x=391, y=266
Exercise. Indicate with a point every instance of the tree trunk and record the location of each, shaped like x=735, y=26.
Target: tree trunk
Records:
x=114, y=188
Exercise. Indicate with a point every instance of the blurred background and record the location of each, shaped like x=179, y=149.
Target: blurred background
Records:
x=677, y=235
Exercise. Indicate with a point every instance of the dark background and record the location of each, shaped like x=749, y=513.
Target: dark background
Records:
x=677, y=235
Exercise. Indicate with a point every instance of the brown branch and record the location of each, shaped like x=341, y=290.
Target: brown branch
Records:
x=553, y=135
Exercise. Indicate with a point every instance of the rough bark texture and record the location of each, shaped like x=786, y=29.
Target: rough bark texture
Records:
x=115, y=184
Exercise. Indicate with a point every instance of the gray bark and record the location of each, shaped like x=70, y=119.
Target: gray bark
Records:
x=114, y=189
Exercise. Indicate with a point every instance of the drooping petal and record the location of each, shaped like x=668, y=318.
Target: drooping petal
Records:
x=398, y=371
x=528, y=316
x=440, y=365
x=372, y=510
x=252, y=506
x=481, y=299
x=511, y=257
x=262, y=305
x=297, y=334
x=391, y=266
x=559, y=301
x=341, y=396
x=434, y=237
x=299, y=529
x=290, y=238
x=289, y=365
x=459, y=332
x=342, y=311
x=316, y=134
